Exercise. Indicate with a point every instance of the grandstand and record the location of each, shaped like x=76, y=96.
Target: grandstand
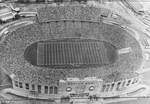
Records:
x=73, y=35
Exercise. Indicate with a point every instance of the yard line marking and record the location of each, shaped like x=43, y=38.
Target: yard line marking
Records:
x=71, y=51
x=63, y=56
x=74, y=53
x=45, y=53
x=49, y=57
x=52, y=58
x=78, y=52
x=55, y=55
x=56, y=52
x=84, y=55
x=103, y=54
x=48, y=46
x=94, y=52
x=69, y=54
x=81, y=54
x=87, y=48
x=98, y=58
x=91, y=53
x=61, y=52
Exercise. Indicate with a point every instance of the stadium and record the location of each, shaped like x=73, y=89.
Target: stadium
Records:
x=69, y=51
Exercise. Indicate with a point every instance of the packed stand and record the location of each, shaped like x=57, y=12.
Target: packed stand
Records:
x=12, y=58
x=71, y=12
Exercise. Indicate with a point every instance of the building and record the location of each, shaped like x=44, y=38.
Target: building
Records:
x=72, y=55
x=73, y=87
x=6, y=13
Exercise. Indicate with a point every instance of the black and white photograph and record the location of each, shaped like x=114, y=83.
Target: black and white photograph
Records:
x=74, y=51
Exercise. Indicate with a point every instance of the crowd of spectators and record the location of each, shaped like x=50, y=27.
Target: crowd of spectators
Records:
x=12, y=54
x=73, y=12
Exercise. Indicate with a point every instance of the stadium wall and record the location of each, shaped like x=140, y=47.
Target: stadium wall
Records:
x=78, y=88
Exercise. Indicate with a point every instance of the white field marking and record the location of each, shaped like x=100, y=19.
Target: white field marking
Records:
x=125, y=50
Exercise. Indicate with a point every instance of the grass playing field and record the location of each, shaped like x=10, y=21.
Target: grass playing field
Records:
x=71, y=53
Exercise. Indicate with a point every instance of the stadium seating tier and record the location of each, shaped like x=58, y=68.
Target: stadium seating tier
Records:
x=72, y=22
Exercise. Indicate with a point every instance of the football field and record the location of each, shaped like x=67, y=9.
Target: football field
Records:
x=66, y=53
